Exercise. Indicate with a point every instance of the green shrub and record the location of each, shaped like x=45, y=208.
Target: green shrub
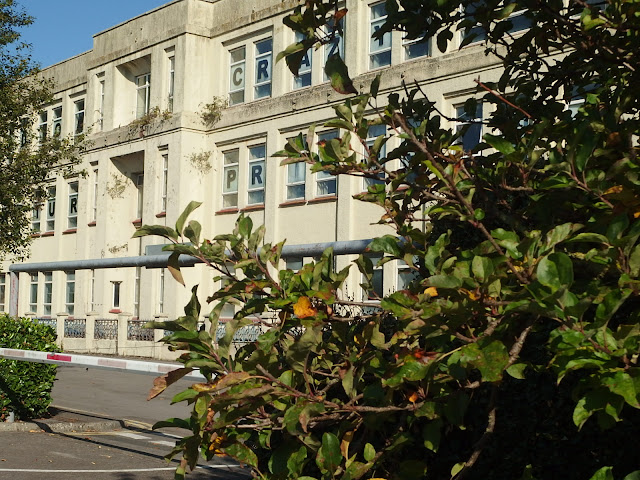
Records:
x=25, y=387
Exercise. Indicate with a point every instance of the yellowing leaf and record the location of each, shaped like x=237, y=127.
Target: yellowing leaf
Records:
x=413, y=398
x=431, y=291
x=615, y=189
x=303, y=308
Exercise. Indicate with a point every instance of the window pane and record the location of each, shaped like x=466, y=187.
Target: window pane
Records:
x=263, y=68
x=296, y=172
x=295, y=191
x=416, y=50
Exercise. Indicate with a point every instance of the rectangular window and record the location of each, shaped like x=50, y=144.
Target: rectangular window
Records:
x=35, y=219
x=51, y=209
x=33, y=292
x=57, y=121
x=294, y=263
x=139, y=178
x=94, y=207
x=72, y=214
x=230, y=179
x=519, y=22
x=165, y=180
x=24, y=132
x=171, y=81
x=379, y=48
x=93, y=291
x=326, y=184
x=101, y=104
x=257, y=174
x=136, y=293
x=3, y=292
x=377, y=280
x=48, y=293
x=335, y=46
x=303, y=79
x=374, y=132
x=116, y=295
x=161, y=292
x=143, y=88
x=70, y=292
x=79, y=117
x=416, y=48
x=406, y=275
x=237, y=69
x=296, y=180
x=263, y=62
x=42, y=127
x=469, y=126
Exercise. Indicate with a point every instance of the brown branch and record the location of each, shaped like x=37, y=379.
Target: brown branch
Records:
x=501, y=98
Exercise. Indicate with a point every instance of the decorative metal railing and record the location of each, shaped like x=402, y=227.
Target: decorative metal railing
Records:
x=105, y=329
x=75, y=328
x=137, y=332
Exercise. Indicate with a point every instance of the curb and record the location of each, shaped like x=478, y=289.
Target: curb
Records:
x=61, y=427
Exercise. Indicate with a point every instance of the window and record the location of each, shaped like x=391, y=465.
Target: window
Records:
x=79, y=117
x=57, y=121
x=101, y=106
x=93, y=291
x=143, y=87
x=51, y=209
x=255, y=188
x=116, y=295
x=469, y=126
x=379, y=48
x=70, y=292
x=296, y=180
x=48, y=293
x=237, y=75
x=136, y=293
x=228, y=310
x=230, y=179
x=377, y=280
x=263, y=68
x=24, y=132
x=161, y=292
x=165, y=180
x=406, y=275
x=72, y=215
x=326, y=184
x=3, y=292
x=303, y=79
x=519, y=22
x=336, y=46
x=94, y=207
x=42, y=127
x=415, y=48
x=33, y=292
x=139, y=179
x=35, y=218
x=171, y=81
x=262, y=52
x=374, y=132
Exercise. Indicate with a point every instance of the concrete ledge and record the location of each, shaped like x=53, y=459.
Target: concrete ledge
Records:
x=61, y=427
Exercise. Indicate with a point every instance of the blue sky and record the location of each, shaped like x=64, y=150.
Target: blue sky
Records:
x=64, y=28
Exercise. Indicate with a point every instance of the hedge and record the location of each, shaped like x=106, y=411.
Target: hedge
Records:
x=25, y=387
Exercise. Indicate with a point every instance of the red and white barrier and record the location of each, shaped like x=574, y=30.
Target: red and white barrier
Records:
x=108, y=363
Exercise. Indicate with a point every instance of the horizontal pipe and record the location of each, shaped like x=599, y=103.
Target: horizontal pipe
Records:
x=161, y=260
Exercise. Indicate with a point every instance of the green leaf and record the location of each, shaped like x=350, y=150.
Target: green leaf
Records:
x=329, y=457
x=444, y=281
x=555, y=271
x=490, y=358
x=369, y=452
x=633, y=476
x=517, y=370
x=242, y=453
x=158, y=230
x=457, y=468
x=338, y=74
x=375, y=86
x=482, y=268
x=192, y=232
x=617, y=226
x=387, y=244
x=185, y=214
x=431, y=434
x=624, y=385
x=499, y=143
x=605, y=473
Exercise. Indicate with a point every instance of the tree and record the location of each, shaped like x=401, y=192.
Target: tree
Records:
x=514, y=351
x=23, y=165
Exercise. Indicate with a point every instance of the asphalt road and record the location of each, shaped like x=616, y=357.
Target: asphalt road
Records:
x=117, y=394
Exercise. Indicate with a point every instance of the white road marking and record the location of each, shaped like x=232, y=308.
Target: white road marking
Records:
x=164, y=443
x=135, y=436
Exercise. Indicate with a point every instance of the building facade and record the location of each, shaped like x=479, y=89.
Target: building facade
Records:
x=139, y=95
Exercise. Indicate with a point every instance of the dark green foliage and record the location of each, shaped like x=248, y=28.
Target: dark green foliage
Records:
x=25, y=387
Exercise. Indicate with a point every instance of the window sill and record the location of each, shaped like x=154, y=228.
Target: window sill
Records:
x=226, y=211
x=137, y=222
x=328, y=198
x=91, y=224
x=292, y=203
x=252, y=208
x=36, y=235
x=115, y=310
x=70, y=230
x=47, y=234
x=161, y=215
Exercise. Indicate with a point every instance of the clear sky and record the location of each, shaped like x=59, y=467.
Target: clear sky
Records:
x=64, y=28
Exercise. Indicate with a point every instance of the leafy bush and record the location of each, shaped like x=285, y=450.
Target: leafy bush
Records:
x=25, y=387
x=514, y=351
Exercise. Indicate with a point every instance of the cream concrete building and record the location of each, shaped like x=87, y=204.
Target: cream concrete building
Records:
x=171, y=62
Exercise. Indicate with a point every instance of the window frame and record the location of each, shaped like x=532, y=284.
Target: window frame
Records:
x=384, y=50
x=249, y=88
x=33, y=292
x=146, y=88
x=72, y=203
x=43, y=127
x=70, y=292
x=369, y=141
x=79, y=115
x=47, y=296
x=165, y=182
x=459, y=125
x=171, y=81
x=324, y=177
x=56, y=121
x=3, y=291
x=229, y=192
x=250, y=174
x=51, y=202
